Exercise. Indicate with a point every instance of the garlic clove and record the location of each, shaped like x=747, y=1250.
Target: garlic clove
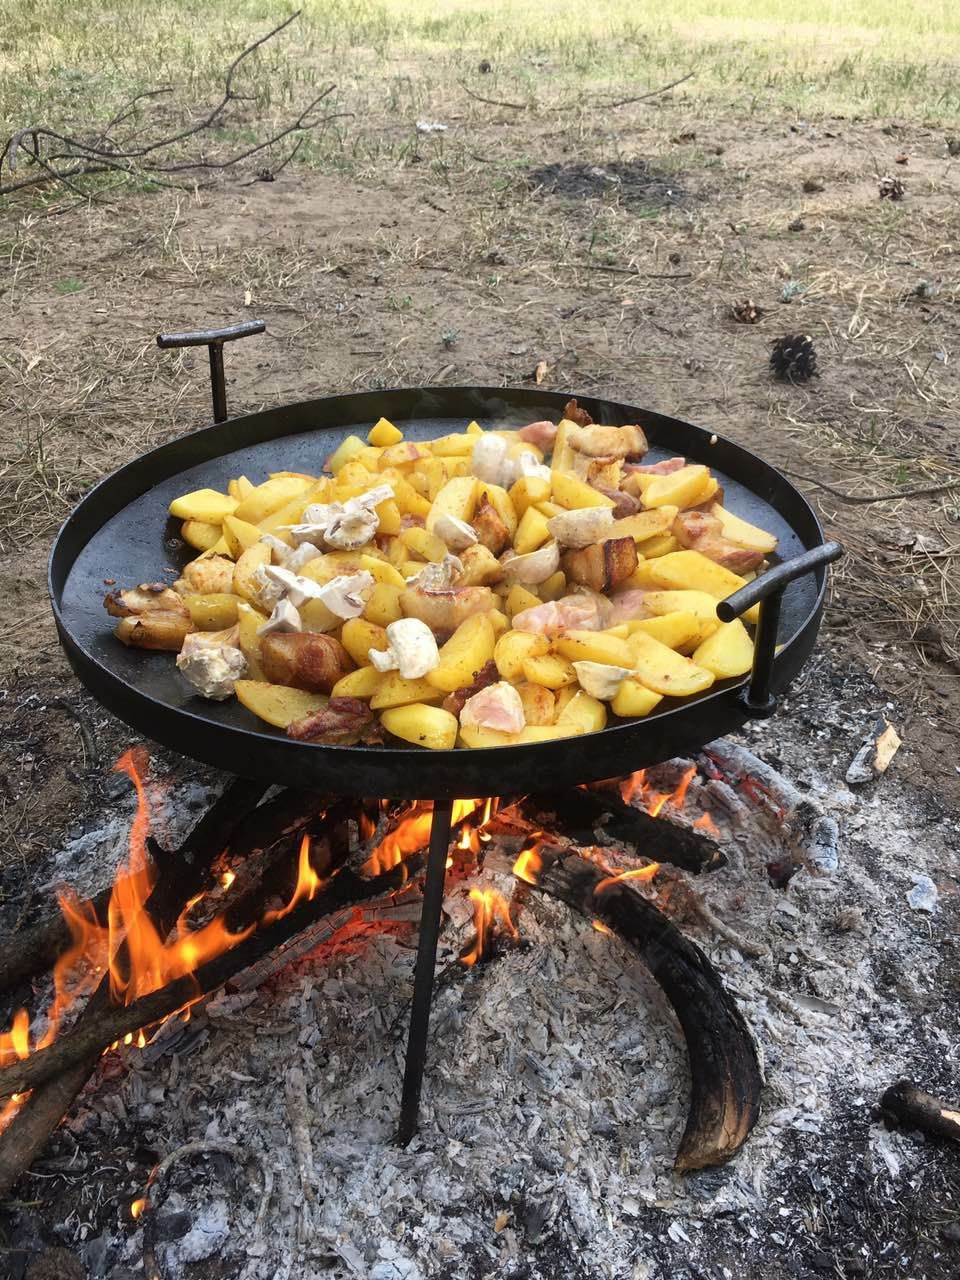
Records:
x=601, y=680
x=534, y=567
x=457, y=534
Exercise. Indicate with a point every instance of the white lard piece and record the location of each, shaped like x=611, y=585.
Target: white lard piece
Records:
x=599, y=679
x=412, y=649
x=499, y=706
x=211, y=663
x=488, y=457
x=344, y=525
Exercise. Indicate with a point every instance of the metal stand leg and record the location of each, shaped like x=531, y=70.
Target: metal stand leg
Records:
x=424, y=971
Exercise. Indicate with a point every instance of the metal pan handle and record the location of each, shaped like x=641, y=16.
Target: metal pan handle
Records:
x=767, y=591
x=213, y=340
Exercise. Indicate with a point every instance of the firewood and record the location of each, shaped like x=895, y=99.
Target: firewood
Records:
x=579, y=810
x=915, y=1109
x=724, y=1070
x=91, y=1034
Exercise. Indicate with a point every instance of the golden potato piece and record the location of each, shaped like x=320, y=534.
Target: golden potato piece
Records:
x=664, y=671
x=155, y=630
x=278, y=704
x=423, y=725
x=212, y=612
x=206, y=505
x=728, y=652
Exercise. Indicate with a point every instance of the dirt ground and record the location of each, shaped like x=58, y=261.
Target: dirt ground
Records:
x=620, y=275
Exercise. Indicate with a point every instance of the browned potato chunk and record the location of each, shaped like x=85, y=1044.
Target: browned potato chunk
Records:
x=154, y=630
x=491, y=529
x=603, y=566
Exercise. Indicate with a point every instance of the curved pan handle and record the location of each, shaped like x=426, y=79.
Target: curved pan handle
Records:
x=767, y=591
x=213, y=340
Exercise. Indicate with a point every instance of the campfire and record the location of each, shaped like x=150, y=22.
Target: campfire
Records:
x=256, y=886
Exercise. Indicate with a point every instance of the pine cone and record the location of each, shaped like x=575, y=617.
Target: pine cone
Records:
x=891, y=188
x=746, y=311
x=793, y=358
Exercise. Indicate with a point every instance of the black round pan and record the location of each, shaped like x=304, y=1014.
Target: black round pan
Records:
x=121, y=532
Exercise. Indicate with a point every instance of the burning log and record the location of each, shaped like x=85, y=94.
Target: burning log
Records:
x=234, y=821
x=913, y=1108
x=104, y=1026
x=724, y=1070
x=577, y=812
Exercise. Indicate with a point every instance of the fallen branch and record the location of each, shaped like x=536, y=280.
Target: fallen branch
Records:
x=493, y=102
x=653, y=93
x=725, y=1079
x=915, y=1109
x=855, y=499
x=69, y=157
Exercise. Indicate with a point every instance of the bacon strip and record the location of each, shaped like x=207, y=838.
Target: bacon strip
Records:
x=487, y=675
x=342, y=722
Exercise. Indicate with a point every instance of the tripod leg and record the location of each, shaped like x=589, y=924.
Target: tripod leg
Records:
x=424, y=971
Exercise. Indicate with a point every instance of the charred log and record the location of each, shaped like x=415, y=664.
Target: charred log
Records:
x=913, y=1108
x=579, y=811
x=724, y=1069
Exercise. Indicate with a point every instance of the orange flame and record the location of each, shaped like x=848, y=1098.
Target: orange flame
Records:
x=227, y=879
x=489, y=906
x=137, y=1208
x=654, y=801
x=637, y=873
x=529, y=864
x=706, y=823
x=412, y=835
x=602, y=928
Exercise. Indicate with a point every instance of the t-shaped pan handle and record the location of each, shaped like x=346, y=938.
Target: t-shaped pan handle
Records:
x=767, y=591
x=213, y=340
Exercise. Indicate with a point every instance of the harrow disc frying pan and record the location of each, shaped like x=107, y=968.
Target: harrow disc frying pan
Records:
x=121, y=531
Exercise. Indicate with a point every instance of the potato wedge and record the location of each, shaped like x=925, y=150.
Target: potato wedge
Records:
x=513, y=648
x=571, y=492
x=206, y=505
x=532, y=531
x=348, y=449
x=539, y=704
x=679, y=631
x=644, y=525
x=551, y=670
x=362, y=683
x=240, y=534
x=519, y=598
x=394, y=690
x=213, y=612
x=269, y=497
x=728, y=652
x=554, y=587
x=250, y=621
x=594, y=646
x=457, y=498
x=634, y=699
x=276, y=703
x=201, y=536
x=469, y=649
x=588, y=714
x=683, y=488
x=664, y=671
x=426, y=545
x=527, y=492
x=384, y=433
x=252, y=559
x=742, y=532
x=423, y=725
x=359, y=636
x=383, y=607
x=691, y=571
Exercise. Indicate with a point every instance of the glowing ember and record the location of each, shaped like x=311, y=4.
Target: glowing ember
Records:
x=602, y=928
x=706, y=823
x=137, y=1208
x=227, y=879
x=637, y=873
x=489, y=907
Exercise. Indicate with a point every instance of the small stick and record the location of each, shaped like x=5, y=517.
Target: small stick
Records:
x=723, y=930
x=297, y=1107
x=916, y=1109
x=654, y=93
x=151, y=1266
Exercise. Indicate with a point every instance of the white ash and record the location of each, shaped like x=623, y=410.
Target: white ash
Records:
x=557, y=1084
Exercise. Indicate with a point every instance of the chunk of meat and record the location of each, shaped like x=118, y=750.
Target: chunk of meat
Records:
x=624, y=606
x=570, y=613
x=487, y=675
x=304, y=660
x=445, y=610
x=624, y=504
x=701, y=532
x=603, y=566
x=664, y=468
x=342, y=722
x=573, y=413
x=496, y=707
x=609, y=442
x=149, y=597
x=491, y=531
x=542, y=434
